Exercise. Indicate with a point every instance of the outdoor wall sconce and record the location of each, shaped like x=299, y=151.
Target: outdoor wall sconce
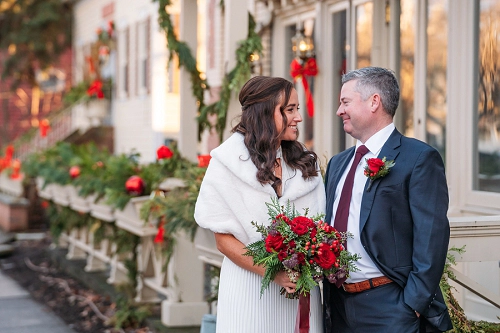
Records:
x=302, y=46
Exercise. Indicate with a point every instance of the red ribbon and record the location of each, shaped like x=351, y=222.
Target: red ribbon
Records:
x=302, y=322
x=95, y=89
x=297, y=71
x=161, y=231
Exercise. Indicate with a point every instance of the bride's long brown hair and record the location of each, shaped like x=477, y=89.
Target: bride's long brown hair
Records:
x=259, y=98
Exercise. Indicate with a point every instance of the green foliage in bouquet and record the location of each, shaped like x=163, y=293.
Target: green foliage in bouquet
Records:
x=305, y=247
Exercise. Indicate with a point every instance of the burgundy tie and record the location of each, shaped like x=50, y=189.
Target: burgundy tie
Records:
x=342, y=214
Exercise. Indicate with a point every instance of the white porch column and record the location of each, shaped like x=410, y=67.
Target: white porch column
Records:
x=235, y=30
x=188, y=109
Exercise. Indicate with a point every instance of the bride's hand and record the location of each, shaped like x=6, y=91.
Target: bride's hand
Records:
x=283, y=280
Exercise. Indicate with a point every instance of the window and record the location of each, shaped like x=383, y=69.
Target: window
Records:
x=407, y=68
x=364, y=38
x=143, y=55
x=488, y=99
x=123, y=63
x=437, y=41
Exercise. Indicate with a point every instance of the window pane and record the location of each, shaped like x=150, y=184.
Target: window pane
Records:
x=436, y=74
x=364, y=28
x=407, y=41
x=488, y=114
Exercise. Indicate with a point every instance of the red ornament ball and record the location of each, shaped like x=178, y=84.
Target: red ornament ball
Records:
x=74, y=171
x=135, y=185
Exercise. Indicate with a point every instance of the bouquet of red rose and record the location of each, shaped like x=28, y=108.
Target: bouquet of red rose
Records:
x=307, y=248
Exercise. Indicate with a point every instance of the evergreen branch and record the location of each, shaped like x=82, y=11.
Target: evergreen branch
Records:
x=233, y=80
x=183, y=52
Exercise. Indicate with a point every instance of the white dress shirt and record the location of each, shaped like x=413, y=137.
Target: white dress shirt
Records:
x=367, y=269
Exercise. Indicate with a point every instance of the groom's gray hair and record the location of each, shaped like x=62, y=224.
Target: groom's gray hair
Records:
x=371, y=80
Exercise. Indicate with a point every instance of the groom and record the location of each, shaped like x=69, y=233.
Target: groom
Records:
x=398, y=220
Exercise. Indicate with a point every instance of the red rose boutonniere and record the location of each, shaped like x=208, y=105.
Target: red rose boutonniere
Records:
x=377, y=168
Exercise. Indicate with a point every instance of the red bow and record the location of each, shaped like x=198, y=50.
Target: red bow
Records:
x=96, y=89
x=297, y=70
x=44, y=127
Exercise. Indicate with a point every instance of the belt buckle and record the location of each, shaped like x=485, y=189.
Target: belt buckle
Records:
x=343, y=287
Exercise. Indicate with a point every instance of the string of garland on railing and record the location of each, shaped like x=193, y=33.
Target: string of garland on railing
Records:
x=233, y=80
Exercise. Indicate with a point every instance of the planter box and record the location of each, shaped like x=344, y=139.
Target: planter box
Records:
x=44, y=191
x=129, y=218
x=13, y=187
x=13, y=213
x=100, y=210
x=60, y=194
x=76, y=202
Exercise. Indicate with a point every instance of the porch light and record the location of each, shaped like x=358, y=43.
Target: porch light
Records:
x=302, y=46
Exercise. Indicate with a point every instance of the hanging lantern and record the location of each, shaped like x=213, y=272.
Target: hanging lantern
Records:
x=302, y=46
x=135, y=185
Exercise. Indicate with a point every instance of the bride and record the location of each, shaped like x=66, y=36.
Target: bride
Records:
x=262, y=159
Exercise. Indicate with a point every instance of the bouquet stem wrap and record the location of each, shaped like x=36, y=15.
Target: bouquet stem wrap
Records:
x=302, y=322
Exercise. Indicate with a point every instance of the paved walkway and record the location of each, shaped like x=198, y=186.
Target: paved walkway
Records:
x=19, y=313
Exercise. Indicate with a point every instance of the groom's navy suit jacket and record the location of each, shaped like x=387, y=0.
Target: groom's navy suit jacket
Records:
x=403, y=223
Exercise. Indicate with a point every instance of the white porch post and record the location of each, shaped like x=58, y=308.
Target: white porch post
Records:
x=235, y=30
x=188, y=109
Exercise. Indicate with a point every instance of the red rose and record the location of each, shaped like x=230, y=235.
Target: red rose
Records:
x=327, y=258
x=300, y=225
x=282, y=255
x=375, y=164
x=301, y=257
x=274, y=243
x=299, y=229
x=283, y=217
x=313, y=233
x=164, y=152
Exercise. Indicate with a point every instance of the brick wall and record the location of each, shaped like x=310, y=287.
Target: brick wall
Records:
x=18, y=112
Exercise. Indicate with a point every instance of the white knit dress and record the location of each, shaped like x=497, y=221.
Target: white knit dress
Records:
x=230, y=198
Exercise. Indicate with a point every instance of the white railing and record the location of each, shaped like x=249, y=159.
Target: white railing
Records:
x=179, y=286
x=477, y=268
x=78, y=117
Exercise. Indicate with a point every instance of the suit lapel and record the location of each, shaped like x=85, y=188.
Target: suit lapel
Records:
x=335, y=175
x=390, y=151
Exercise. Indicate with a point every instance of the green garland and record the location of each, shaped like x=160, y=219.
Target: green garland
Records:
x=460, y=322
x=233, y=80
x=183, y=52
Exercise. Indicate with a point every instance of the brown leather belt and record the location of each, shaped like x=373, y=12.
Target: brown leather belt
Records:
x=366, y=284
